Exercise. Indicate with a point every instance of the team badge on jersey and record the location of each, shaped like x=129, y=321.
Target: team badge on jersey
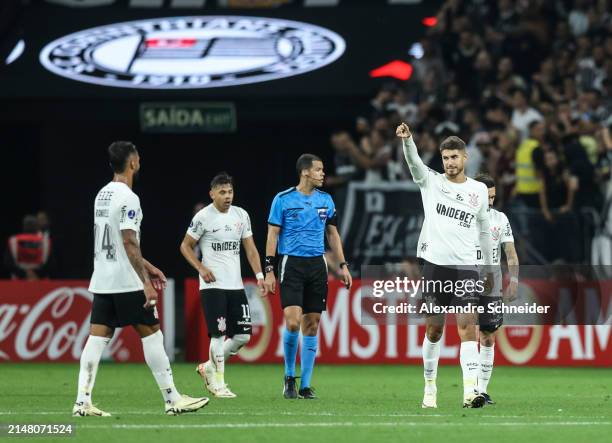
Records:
x=322, y=213
x=496, y=233
x=473, y=199
x=221, y=324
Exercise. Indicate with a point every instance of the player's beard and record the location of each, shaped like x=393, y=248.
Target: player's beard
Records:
x=457, y=170
x=136, y=176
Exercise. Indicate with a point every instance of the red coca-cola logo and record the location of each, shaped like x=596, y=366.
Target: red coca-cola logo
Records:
x=46, y=323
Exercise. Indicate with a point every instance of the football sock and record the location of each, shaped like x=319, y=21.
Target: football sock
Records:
x=469, y=358
x=487, y=354
x=431, y=355
x=90, y=359
x=231, y=346
x=157, y=360
x=290, y=345
x=307, y=359
x=217, y=357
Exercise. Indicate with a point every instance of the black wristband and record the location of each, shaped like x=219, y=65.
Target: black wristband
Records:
x=269, y=261
x=344, y=263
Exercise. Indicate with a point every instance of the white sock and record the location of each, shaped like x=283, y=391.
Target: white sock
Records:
x=431, y=355
x=90, y=358
x=231, y=346
x=468, y=355
x=487, y=355
x=157, y=359
x=217, y=357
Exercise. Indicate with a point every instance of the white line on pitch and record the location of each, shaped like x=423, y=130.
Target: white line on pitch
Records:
x=304, y=414
x=333, y=424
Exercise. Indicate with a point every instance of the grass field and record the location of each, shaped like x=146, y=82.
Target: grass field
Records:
x=357, y=403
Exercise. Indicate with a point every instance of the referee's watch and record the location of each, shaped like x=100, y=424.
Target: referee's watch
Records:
x=269, y=264
x=344, y=263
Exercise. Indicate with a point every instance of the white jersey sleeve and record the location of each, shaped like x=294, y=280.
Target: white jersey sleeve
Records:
x=246, y=228
x=506, y=234
x=130, y=213
x=420, y=172
x=196, y=227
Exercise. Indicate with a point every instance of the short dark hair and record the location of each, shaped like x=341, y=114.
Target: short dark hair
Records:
x=118, y=154
x=222, y=178
x=452, y=142
x=486, y=179
x=305, y=162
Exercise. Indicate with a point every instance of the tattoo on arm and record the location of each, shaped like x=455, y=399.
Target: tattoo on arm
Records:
x=132, y=248
x=511, y=258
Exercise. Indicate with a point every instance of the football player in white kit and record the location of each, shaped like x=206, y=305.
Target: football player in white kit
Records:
x=501, y=234
x=220, y=229
x=124, y=287
x=456, y=219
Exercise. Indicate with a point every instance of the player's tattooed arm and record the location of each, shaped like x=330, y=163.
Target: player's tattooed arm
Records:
x=132, y=249
x=513, y=268
x=411, y=153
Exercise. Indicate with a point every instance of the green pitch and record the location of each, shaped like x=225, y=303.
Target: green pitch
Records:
x=357, y=404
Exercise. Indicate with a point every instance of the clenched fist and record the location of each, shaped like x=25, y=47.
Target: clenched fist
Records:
x=403, y=131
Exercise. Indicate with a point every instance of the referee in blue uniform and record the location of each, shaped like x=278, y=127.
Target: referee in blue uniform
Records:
x=299, y=219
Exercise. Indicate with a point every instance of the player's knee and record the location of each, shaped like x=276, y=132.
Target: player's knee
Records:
x=487, y=339
x=434, y=333
x=467, y=332
x=241, y=339
x=292, y=324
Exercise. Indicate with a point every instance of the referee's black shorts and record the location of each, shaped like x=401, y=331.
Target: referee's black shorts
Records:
x=303, y=282
x=118, y=310
x=447, y=285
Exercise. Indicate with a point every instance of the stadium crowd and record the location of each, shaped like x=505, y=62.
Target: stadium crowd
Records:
x=526, y=84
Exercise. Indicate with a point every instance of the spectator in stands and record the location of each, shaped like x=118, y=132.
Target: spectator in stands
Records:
x=521, y=78
x=28, y=254
x=556, y=202
x=523, y=114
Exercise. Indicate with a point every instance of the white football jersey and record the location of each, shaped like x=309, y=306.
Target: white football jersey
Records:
x=219, y=235
x=116, y=208
x=501, y=232
x=455, y=214
x=450, y=229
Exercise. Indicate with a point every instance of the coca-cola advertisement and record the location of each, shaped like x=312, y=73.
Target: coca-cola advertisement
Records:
x=345, y=338
x=48, y=321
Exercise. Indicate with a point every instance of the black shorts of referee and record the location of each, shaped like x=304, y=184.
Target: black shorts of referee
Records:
x=303, y=282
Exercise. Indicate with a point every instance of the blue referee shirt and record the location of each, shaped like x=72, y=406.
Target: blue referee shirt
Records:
x=302, y=219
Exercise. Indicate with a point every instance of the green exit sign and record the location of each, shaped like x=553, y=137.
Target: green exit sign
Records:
x=188, y=117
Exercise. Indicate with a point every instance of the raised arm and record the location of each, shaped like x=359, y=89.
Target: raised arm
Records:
x=415, y=164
